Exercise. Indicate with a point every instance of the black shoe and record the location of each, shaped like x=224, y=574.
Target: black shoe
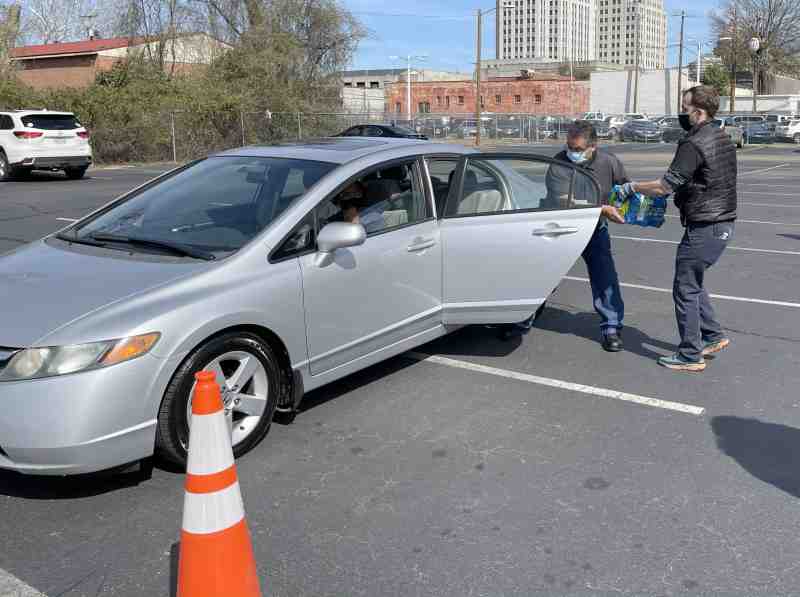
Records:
x=612, y=343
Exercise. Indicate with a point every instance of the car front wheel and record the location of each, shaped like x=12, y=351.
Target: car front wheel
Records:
x=249, y=377
x=76, y=173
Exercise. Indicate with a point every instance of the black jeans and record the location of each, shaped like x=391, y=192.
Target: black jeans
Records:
x=701, y=247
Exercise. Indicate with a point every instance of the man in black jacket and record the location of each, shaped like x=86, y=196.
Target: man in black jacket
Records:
x=703, y=178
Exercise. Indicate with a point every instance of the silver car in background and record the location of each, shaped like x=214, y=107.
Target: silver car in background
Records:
x=245, y=264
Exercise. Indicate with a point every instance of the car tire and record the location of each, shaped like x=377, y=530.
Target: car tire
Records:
x=76, y=173
x=796, y=138
x=612, y=134
x=7, y=172
x=172, y=434
x=740, y=143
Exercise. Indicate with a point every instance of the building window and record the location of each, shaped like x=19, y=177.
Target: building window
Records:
x=460, y=100
x=398, y=107
x=498, y=99
x=447, y=101
x=374, y=85
x=361, y=85
x=438, y=100
x=348, y=84
x=482, y=102
x=537, y=99
x=517, y=99
x=425, y=107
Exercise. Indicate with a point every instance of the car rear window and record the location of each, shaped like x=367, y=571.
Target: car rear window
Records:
x=51, y=122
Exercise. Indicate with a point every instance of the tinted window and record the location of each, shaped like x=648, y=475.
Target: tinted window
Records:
x=51, y=122
x=218, y=204
x=6, y=123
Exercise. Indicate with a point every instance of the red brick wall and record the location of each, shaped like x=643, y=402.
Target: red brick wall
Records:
x=564, y=97
x=67, y=71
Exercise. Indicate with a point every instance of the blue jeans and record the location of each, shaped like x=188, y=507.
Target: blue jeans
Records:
x=606, y=294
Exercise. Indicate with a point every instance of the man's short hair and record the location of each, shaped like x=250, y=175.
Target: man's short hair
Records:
x=704, y=97
x=583, y=128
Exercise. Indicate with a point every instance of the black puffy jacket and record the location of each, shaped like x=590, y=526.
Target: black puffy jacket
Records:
x=710, y=196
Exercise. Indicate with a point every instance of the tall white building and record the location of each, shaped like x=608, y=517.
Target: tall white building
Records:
x=617, y=22
x=582, y=31
x=559, y=30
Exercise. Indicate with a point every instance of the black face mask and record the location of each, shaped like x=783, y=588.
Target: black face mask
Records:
x=684, y=121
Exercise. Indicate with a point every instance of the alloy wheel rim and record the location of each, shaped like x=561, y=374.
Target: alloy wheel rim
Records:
x=244, y=387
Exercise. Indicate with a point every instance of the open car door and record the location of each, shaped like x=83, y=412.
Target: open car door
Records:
x=512, y=227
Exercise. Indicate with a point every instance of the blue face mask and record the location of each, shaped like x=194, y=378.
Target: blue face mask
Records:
x=577, y=157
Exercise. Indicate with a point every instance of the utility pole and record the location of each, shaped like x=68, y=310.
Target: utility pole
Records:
x=732, y=103
x=408, y=91
x=638, y=56
x=699, y=59
x=680, y=64
x=478, y=80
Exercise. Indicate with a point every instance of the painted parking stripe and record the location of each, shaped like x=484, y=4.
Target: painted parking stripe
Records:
x=767, y=204
x=70, y=220
x=559, y=384
x=11, y=586
x=724, y=297
x=729, y=248
x=762, y=170
x=740, y=221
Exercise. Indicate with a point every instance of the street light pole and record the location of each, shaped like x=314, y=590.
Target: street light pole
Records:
x=478, y=80
x=638, y=57
x=755, y=46
x=680, y=63
x=408, y=59
x=732, y=98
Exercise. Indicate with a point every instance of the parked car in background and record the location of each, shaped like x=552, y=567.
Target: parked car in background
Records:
x=641, y=131
x=382, y=130
x=601, y=126
x=789, y=131
x=757, y=132
x=671, y=129
x=43, y=140
x=773, y=121
x=468, y=129
x=594, y=116
x=615, y=124
x=507, y=128
x=746, y=120
x=272, y=290
x=736, y=133
x=435, y=127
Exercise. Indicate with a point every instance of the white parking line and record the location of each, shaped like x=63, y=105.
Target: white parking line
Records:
x=724, y=297
x=11, y=586
x=70, y=220
x=733, y=248
x=767, y=204
x=561, y=385
x=740, y=221
x=762, y=170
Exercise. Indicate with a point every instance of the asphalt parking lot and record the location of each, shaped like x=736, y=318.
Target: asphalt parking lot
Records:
x=540, y=466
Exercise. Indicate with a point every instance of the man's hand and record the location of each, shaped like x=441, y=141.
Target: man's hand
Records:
x=611, y=213
x=626, y=191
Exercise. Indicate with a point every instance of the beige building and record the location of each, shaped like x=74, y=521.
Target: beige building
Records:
x=617, y=22
x=560, y=30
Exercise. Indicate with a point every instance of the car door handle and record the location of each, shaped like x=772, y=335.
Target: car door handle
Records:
x=420, y=244
x=555, y=231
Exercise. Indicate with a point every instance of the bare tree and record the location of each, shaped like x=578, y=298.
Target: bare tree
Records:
x=776, y=23
x=49, y=21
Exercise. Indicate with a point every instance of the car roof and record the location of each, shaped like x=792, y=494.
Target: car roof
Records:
x=37, y=112
x=340, y=150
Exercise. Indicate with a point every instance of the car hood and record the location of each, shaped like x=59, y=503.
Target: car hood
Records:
x=45, y=287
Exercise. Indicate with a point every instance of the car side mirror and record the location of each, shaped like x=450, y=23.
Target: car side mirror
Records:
x=338, y=235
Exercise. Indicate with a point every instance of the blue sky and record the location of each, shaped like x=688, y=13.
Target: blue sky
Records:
x=445, y=31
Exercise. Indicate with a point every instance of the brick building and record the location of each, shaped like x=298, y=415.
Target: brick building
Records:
x=76, y=64
x=503, y=95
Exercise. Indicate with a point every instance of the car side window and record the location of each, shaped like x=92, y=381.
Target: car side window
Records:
x=6, y=123
x=442, y=173
x=380, y=199
x=511, y=185
x=373, y=131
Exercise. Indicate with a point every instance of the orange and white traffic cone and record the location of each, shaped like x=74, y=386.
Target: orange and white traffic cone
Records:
x=216, y=555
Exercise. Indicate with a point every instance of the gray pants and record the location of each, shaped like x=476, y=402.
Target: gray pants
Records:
x=701, y=247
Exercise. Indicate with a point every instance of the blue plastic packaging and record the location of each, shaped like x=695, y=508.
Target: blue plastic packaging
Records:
x=639, y=210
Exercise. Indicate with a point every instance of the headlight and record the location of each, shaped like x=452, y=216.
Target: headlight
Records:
x=34, y=363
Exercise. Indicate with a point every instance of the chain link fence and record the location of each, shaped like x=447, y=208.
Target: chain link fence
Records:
x=184, y=135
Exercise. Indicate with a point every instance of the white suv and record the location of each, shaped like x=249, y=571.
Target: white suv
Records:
x=790, y=131
x=42, y=140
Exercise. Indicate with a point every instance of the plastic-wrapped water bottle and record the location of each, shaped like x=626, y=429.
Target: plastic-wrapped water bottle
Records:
x=638, y=209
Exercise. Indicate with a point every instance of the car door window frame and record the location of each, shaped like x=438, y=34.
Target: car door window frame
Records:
x=314, y=211
x=455, y=157
x=456, y=192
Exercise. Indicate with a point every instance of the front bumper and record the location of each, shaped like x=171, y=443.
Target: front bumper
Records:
x=57, y=163
x=83, y=422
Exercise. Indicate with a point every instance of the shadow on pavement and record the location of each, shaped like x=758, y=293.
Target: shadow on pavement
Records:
x=42, y=487
x=768, y=451
x=791, y=236
x=587, y=325
x=477, y=341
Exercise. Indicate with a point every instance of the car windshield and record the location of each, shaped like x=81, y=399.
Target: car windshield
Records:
x=401, y=130
x=215, y=205
x=51, y=122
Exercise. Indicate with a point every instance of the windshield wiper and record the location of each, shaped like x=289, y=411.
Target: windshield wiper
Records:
x=154, y=243
x=80, y=241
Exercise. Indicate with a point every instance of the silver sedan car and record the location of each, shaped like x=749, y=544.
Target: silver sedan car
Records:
x=273, y=268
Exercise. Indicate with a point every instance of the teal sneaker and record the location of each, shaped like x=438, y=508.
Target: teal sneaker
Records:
x=677, y=363
x=713, y=347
